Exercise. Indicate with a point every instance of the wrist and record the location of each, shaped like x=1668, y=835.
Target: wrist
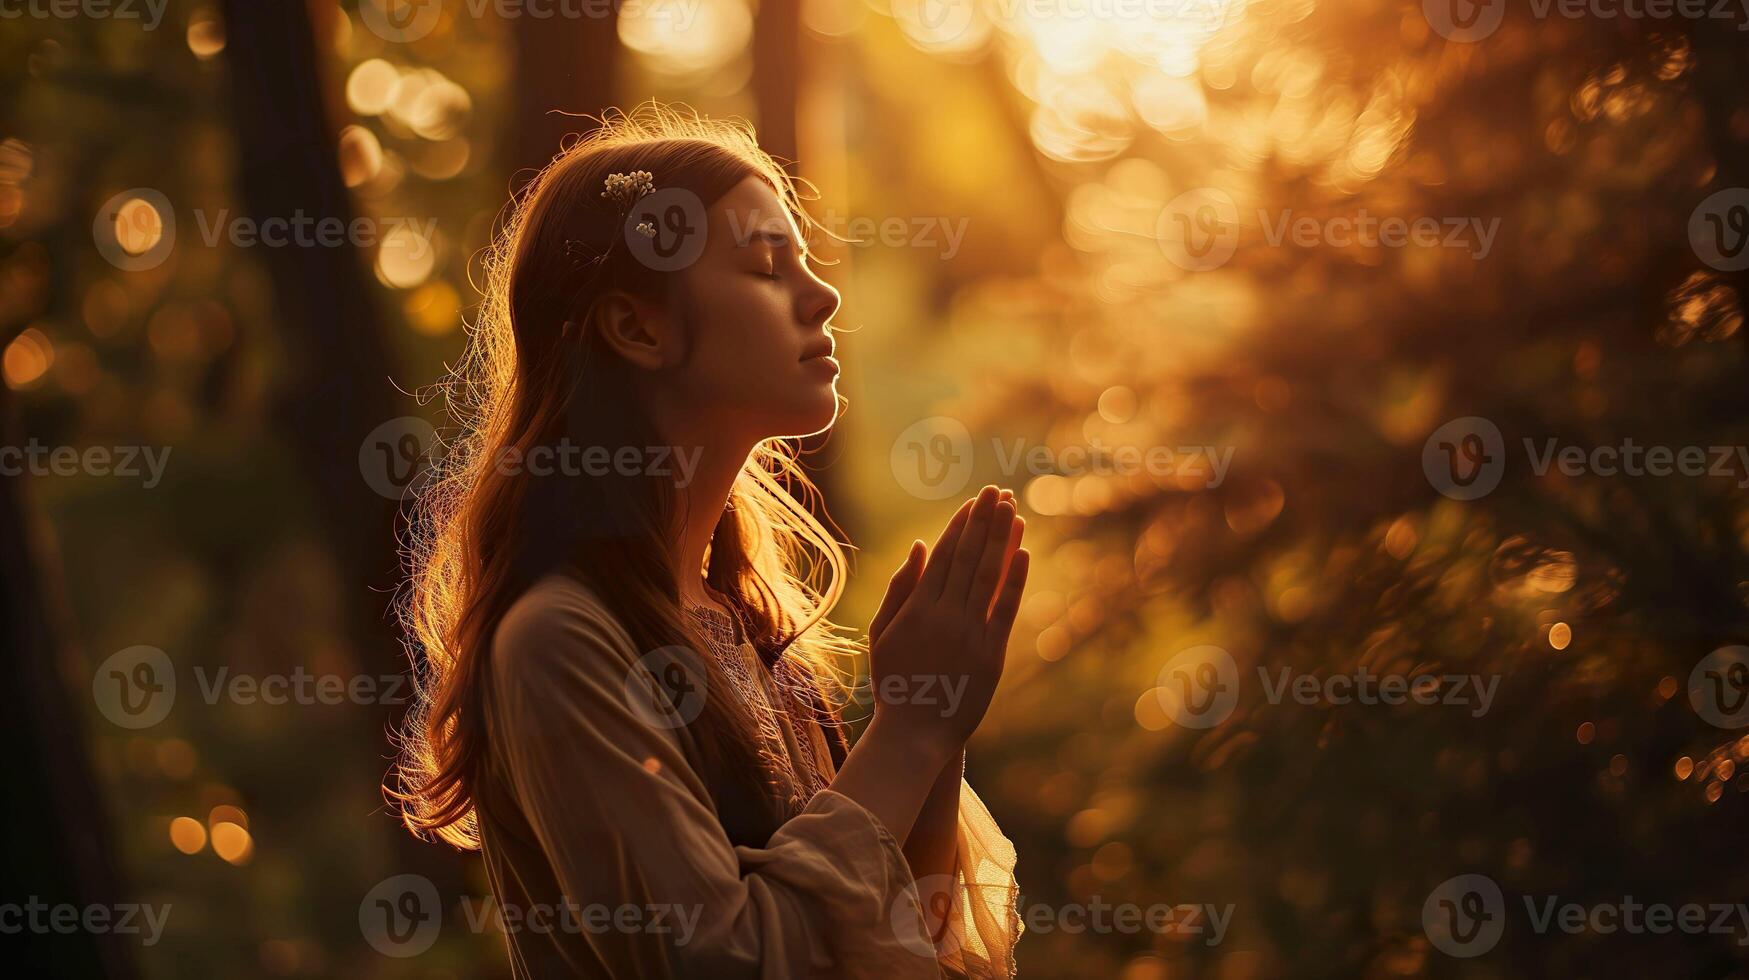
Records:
x=935, y=750
x=955, y=768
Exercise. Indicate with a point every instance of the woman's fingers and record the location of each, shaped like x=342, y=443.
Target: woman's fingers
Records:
x=1007, y=604
x=898, y=590
x=941, y=556
x=989, y=572
x=971, y=547
x=1015, y=534
x=956, y=525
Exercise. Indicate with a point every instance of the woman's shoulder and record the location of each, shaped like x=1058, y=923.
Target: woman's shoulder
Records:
x=551, y=623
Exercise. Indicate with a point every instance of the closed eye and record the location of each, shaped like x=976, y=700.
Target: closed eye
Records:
x=782, y=251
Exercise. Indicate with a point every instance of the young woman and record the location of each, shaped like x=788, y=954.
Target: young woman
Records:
x=630, y=699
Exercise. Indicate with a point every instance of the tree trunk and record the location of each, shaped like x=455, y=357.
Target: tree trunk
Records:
x=565, y=67
x=777, y=56
x=338, y=384
x=57, y=842
x=337, y=387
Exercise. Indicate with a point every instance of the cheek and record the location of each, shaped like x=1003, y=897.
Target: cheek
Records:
x=743, y=319
x=738, y=346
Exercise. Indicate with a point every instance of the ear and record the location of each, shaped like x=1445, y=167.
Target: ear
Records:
x=637, y=330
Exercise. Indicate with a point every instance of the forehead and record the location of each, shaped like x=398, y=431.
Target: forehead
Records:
x=748, y=212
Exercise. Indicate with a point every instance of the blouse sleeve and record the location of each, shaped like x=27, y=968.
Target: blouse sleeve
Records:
x=983, y=924
x=623, y=818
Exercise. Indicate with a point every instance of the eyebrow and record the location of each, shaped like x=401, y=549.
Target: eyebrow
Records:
x=778, y=238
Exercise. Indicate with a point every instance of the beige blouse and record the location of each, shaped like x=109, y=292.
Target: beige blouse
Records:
x=607, y=857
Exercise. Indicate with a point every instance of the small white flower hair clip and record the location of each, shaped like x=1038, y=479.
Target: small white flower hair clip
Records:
x=627, y=188
x=623, y=190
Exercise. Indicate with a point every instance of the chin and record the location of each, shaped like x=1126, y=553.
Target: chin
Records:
x=815, y=416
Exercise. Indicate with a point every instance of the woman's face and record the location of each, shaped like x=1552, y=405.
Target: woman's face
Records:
x=755, y=318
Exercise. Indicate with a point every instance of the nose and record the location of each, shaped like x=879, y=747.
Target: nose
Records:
x=817, y=301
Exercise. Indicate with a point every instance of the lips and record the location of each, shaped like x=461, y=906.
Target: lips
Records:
x=817, y=351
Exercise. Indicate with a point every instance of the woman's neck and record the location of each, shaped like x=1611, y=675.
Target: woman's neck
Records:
x=701, y=498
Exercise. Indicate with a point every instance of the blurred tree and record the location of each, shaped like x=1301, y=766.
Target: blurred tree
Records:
x=58, y=846
x=565, y=67
x=336, y=387
x=777, y=66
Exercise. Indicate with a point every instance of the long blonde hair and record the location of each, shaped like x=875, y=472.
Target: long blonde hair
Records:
x=482, y=536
